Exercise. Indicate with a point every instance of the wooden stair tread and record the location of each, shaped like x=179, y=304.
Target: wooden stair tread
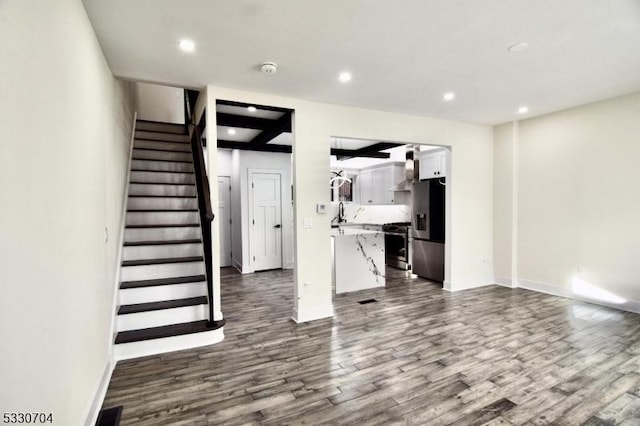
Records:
x=133, y=182
x=173, y=151
x=160, y=210
x=164, y=304
x=164, y=161
x=161, y=261
x=163, y=281
x=161, y=242
x=162, y=196
x=161, y=171
x=167, y=331
x=165, y=225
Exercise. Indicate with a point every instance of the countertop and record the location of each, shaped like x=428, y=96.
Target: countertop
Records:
x=337, y=232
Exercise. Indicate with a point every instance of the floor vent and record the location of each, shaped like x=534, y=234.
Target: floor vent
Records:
x=109, y=416
x=364, y=302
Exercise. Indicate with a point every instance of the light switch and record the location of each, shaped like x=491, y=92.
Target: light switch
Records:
x=307, y=224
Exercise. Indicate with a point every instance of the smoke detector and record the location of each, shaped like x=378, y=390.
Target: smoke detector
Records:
x=269, y=67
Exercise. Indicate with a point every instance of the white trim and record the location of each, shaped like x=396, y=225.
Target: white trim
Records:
x=316, y=313
x=509, y=282
x=116, y=294
x=101, y=391
x=446, y=285
x=468, y=286
x=554, y=290
x=168, y=344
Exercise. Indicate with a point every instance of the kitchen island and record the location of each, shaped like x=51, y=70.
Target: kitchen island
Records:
x=358, y=259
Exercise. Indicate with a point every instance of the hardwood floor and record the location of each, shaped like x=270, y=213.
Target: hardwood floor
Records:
x=419, y=355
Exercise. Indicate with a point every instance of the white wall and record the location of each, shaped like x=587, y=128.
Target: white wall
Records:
x=65, y=132
x=469, y=250
x=578, y=186
x=159, y=103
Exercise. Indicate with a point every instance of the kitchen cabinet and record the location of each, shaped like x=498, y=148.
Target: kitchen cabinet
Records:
x=433, y=164
x=374, y=184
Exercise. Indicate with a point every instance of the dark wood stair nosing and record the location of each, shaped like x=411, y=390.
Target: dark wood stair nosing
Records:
x=161, y=305
x=161, y=183
x=162, y=261
x=160, y=210
x=157, y=282
x=173, y=330
x=161, y=171
x=161, y=196
x=164, y=225
x=159, y=140
x=164, y=161
x=173, y=151
x=161, y=242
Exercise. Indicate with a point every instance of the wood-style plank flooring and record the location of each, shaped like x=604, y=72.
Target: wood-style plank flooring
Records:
x=420, y=355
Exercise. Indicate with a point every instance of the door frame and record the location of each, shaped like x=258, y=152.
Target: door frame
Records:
x=251, y=236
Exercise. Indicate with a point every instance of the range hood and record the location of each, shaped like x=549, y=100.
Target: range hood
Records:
x=410, y=170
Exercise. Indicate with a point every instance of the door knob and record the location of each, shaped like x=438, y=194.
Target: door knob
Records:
x=278, y=226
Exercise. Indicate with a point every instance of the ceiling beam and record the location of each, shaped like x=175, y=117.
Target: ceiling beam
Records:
x=351, y=153
x=245, y=105
x=247, y=147
x=279, y=126
x=243, y=121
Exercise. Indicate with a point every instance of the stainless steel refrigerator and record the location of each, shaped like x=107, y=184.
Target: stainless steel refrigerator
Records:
x=427, y=228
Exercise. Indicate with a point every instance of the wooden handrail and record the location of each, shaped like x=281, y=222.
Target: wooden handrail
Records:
x=204, y=199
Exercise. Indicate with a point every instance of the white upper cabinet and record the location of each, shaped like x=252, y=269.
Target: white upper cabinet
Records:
x=433, y=164
x=375, y=184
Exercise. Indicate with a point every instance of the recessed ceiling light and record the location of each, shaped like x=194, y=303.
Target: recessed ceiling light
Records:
x=523, y=110
x=518, y=47
x=231, y=131
x=187, y=45
x=449, y=96
x=251, y=108
x=344, y=77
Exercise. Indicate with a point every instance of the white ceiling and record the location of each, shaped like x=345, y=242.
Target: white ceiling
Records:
x=403, y=55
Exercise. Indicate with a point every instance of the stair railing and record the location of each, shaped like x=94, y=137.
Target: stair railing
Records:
x=204, y=199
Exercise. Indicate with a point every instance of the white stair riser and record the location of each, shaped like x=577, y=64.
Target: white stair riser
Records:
x=159, y=218
x=152, y=203
x=131, y=350
x=160, y=127
x=169, y=146
x=161, y=234
x=143, y=134
x=161, y=317
x=161, y=155
x=130, y=296
x=167, y=270
x=142, y=189
x=161, y=251
x=162, y=177
x=159, y=166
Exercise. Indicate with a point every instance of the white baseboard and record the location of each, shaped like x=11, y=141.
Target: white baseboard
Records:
x=448, y=286
x=101, y=392
x=506, y=282
x=316, y=313
x=554, y=290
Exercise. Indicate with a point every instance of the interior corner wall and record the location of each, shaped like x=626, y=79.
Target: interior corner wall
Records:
x=503, y=218
x=159, y=103
x=578, y=192
x=65, y=128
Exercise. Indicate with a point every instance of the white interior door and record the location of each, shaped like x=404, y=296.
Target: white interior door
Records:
x=266, y=221
x=224, y=219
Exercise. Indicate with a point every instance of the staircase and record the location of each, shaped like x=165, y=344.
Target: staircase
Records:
x=163, y=291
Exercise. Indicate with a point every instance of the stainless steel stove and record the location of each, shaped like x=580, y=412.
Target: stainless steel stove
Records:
x=397, y=245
